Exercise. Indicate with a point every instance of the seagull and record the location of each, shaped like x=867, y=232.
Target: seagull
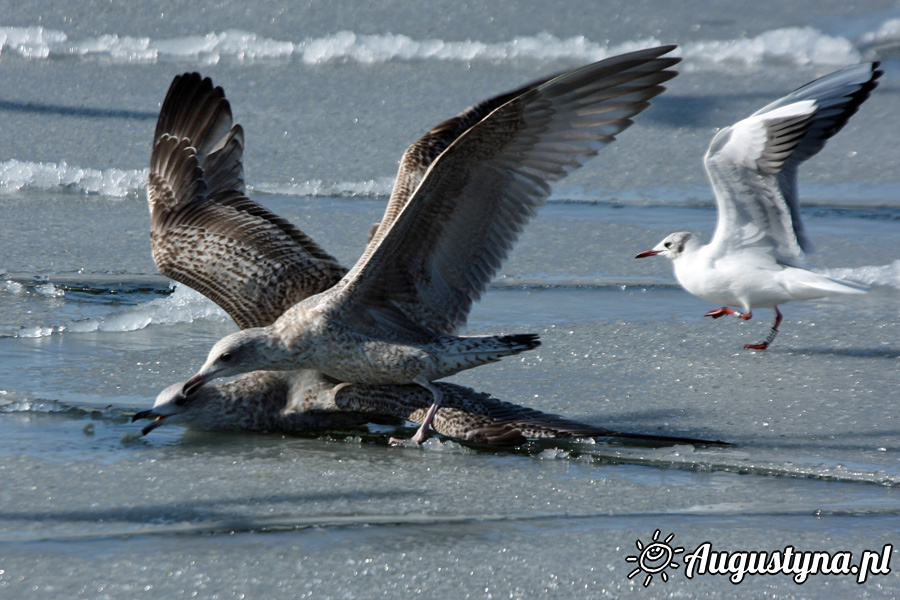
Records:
x=462, y=196
x=756, y=257
x=306, y=400
x=207, y=234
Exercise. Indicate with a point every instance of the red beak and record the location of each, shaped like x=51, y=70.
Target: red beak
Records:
x=647, y=253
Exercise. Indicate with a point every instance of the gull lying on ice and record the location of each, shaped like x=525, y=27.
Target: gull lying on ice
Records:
x=306, y=400
x=756, y=257
x=208, y=235
x=463, y=194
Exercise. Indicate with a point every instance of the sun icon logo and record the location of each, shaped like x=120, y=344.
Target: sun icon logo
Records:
x=654, y=558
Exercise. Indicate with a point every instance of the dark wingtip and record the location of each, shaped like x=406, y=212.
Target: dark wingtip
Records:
x=666, y=439
x=528, y=340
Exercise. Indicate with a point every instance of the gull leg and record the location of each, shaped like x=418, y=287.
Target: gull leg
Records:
x=721, y=312
x=422, y=433
x=769, y=338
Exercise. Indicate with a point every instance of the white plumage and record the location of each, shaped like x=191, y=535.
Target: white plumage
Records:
x=756, y=257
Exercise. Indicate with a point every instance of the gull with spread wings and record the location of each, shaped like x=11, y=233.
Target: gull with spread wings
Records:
x=463, y=194
x=224, y=244
x=756, y=257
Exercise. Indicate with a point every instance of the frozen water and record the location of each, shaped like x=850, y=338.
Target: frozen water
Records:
x=329, y=96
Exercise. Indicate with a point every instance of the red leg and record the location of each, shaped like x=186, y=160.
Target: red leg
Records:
x=769, y=338
x=778, y=318
x=721, y=312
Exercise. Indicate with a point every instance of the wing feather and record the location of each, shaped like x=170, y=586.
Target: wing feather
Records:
x=469, y=415
x=449, y=239
x=418, y=157
x=205, y=232
x=753, y=164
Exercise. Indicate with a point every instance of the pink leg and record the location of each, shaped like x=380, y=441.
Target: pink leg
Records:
x=422, y=433
x=769, y=338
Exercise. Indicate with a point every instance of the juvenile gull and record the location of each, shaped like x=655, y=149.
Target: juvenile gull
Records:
x=757, y=255
x=208, y=235
x=305, y=400
x=461, y=199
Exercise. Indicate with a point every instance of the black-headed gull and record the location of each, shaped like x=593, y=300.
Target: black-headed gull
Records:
x=756, y=257
x=465, y=193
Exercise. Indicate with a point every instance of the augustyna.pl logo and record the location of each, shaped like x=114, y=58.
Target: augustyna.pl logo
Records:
x=657, y=557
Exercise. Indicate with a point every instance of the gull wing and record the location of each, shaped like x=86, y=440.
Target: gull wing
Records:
x=478, y=417
x=753, y=164
x=450, y=238
x=205, y=232
x=418, y=157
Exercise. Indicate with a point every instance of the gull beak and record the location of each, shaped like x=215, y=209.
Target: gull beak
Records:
x=149, y=414
x=647, y=253
x=195, y=383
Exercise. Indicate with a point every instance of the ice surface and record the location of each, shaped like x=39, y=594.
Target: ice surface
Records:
x=330, y=94
x=380, y=188
x=887, y=35
x=17, y=175
x=184, y=305
x=875, y=275
x=798, y=45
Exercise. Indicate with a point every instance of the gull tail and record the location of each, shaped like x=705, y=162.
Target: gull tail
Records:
x=808, y=285
x=469, y=352
x=835, y=286
x=519, y=342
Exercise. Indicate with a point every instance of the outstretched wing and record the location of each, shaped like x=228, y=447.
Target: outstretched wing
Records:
x=450, y=238
x=205, y=232
x=753, y=164
x=418, y=157
x=478, y=417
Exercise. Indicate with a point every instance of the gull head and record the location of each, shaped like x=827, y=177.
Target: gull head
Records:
x=671, y=247
x=171, y=406
x=208, y=408
x=241, y=352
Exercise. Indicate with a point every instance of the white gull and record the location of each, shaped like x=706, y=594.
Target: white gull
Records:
x=756, y=257
x=463, y=194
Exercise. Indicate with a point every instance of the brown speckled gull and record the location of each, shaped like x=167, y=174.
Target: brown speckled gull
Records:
x=305, y=400
x=393, y=318
x=262, y=270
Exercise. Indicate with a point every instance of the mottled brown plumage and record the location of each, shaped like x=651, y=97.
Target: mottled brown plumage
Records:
x=255, y=265
x=394, y=316
x=305, y=400
x=205, y=232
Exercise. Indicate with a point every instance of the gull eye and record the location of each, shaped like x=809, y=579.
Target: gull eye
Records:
x=181, y=400
x=668, y=244
x=225, y=357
